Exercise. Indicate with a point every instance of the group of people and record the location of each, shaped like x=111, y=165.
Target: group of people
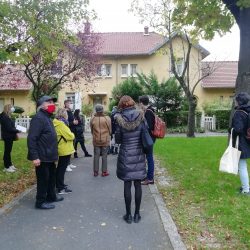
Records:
x=50, y=141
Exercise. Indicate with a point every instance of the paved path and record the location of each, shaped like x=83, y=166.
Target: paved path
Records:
x=89, y=218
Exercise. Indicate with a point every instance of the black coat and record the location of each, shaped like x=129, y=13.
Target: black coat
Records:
x=8, y=130
x=150, y=118
x=240, y=124
x=42, y=138
x=70, y=119
x=131, y=163
x=79, y=128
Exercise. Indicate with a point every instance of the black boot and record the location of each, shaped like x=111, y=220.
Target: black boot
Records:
x=75, y=155
x=128, y=218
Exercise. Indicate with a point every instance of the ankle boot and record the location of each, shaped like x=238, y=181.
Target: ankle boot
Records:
x=128, y=218
x=137, y=218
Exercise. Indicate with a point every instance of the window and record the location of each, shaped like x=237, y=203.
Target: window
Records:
x=179, y=64
x=108, y=69
x=103, y=70
x=99, y=70
x=12, y=101
x=133, y=70
x=124, y=69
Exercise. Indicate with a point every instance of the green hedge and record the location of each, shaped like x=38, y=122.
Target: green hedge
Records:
x=222, y=117
x=179, y=118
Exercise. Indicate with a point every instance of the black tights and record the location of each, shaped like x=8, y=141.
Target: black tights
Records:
x=127, y=195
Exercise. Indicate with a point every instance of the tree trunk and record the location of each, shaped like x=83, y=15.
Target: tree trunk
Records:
x=243, y=78
x=191, y=116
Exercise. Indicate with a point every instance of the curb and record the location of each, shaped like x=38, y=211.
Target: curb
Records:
x=167, y=221
x=15, y=201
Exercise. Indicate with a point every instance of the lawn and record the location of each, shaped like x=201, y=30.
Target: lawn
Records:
x=12, y=184
x=203, y=202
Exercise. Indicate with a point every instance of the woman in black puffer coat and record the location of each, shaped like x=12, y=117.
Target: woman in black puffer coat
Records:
x=239, y=125
x=131, y=165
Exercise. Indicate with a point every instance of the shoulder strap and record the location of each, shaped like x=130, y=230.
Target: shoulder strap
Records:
x=242, y=111
x=61, y=139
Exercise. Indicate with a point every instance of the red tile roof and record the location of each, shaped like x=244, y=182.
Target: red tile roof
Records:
x=133, y=43
x=223, y=76
x=13, y=78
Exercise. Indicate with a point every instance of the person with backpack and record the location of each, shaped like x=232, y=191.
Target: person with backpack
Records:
x=240, y=123
x=65, y=139
x=100, y=126
x=9, y=135
x=78, y=130
x=150, y=118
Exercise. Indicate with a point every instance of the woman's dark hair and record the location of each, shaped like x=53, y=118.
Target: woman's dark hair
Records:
x=77, y=113
x=126, y=102
x=144, y=100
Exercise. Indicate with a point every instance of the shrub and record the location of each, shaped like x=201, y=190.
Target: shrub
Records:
x=179, y=118
x=222, y=118
x=87, y=109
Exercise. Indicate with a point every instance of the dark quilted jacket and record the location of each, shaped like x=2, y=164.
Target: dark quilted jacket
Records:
x=239, y=124
x=131, y=159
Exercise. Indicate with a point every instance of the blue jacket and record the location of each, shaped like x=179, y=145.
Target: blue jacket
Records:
x=240, y=124
x=131, y=164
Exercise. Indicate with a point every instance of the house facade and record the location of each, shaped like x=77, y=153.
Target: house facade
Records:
x=123, y=54
x=15, y=88
x=220, y=85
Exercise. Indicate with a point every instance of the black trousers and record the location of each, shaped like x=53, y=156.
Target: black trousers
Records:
x=8, y=144
x=46, y=182
x=81, y=141
x=63, y=162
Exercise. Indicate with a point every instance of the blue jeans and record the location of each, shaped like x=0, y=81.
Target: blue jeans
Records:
x=243, y=172
x=151, y=165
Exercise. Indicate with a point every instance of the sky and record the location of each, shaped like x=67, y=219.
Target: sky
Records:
x=113, y=16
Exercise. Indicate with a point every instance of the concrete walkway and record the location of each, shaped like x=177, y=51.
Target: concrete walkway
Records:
x=89, y=218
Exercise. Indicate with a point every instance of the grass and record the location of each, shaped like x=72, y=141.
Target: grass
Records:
x=12, y=184
x=204, y=202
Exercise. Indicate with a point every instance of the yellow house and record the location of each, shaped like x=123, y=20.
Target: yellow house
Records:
x=123, y=54
x=15, y=88
x=220, y=85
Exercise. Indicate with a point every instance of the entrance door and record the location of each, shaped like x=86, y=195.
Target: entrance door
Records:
x=97, y=100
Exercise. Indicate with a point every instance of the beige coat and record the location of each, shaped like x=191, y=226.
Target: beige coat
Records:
x=101, y=130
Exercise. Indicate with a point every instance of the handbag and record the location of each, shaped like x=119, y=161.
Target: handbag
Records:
x=229, y=161
x=147, y=141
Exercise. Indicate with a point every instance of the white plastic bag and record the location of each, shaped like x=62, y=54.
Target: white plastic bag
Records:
x=229, y=161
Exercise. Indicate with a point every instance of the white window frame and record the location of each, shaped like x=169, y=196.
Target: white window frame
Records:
x=101, y=70
x=131, y=71
x=179, y=65
x=127, y=69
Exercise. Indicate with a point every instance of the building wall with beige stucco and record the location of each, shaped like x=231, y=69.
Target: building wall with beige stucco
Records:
x=19, y=98
x=158, y=62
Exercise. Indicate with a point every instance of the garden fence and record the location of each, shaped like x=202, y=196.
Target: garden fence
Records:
x=208, y=123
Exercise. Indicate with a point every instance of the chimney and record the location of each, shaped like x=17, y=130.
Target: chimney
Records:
x=87, y=26
x=146, y=31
